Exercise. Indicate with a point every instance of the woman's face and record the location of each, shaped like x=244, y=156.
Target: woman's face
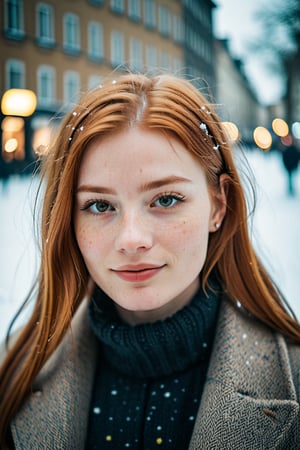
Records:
x=143, y=215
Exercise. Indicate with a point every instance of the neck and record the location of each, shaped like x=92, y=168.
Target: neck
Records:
x=162, y=313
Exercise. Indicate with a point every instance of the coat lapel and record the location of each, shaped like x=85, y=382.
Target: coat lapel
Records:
x=249, y=399
x=56, y=414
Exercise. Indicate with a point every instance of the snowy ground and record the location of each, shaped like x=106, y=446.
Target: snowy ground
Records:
x=276, y=234
x=277, y=225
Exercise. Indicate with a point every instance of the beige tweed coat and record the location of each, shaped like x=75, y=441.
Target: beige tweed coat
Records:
x=250, y=398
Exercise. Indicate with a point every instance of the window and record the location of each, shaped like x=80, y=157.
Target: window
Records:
x=177, y=65
x=149, y=13
x=178, y=33
x=71, y=86
x=44, y=24
x=163, y=20
x=136, y=54
x=95, y=41
x=46, y=85
x=15, y=74
x=165, y=60
x=151, y=56
x=71, y=33
x=117, y=48
x=14, y=19
x=134, y=9
x=117, y=6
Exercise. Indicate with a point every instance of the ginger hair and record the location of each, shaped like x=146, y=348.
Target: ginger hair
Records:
x=162, y=103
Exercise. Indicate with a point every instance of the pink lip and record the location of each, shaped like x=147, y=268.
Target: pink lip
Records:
x=136, y=273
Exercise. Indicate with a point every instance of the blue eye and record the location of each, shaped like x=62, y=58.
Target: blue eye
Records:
x=99, y=207
x=168, y=200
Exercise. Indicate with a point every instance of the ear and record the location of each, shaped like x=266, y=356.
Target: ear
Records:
x=218, y=204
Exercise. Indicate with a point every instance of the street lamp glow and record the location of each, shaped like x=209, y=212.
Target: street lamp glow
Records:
x=280, y=127
x=231, y=131
x=12, y=124
x=18, y=102
x=262, y=138
x=11, y=145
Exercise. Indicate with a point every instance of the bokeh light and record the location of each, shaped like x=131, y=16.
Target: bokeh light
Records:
x=11, y=145
x=262, y=138
x=231, y=131
x=280, y=127
x=12, y=124
x=18, y=102
x=41, y=140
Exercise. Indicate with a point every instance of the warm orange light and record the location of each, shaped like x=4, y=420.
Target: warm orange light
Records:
x=11, y=124
x=13, y=138
x=262, y=138
x=280, y=127
x=18, y=102
x=231, y=131
x=11, y=145
x=41, y=140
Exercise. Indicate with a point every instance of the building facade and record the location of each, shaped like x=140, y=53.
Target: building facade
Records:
x=199, y=51
x=292, y=66
x=236, y=99
x=59, y=48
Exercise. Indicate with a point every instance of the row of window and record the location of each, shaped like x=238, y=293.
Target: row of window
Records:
x=169, y=25
x=140, y=55
x=199, y=12
x=198, y=45
x=15, y=75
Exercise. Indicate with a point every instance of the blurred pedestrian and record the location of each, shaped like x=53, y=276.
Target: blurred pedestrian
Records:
x=4, y=175
x=290, y=159
x=155, y=324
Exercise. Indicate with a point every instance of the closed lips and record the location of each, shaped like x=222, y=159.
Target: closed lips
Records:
x=138, y=268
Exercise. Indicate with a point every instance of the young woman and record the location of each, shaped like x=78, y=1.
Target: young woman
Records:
x=155, y=324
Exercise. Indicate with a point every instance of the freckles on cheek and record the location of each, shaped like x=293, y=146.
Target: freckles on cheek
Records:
x=190, y=236
x=178, y=236
x=84, y=240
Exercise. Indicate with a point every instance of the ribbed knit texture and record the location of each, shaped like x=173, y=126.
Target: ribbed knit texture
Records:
x=159, y=348
x=150, y=376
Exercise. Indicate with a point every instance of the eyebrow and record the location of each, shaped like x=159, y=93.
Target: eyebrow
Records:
x=173, y=179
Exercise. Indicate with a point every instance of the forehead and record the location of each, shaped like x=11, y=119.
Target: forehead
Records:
x=137, y=148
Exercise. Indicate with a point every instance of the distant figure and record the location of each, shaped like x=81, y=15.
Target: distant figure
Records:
x=4, y=176
x=290, y=159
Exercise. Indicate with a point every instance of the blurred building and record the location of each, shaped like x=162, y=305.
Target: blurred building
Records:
x=198, y=49
x=58, y=48
x=293, y=85
x=236, y=99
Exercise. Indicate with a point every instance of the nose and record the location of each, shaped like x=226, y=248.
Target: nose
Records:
x=134, y=234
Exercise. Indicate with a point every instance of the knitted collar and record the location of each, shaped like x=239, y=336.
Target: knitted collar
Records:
x=156, y=349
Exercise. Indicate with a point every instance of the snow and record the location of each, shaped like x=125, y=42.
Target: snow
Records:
x=277, y=225
x=275, y=235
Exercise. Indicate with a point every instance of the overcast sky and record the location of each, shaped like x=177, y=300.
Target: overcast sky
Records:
x=233, y=19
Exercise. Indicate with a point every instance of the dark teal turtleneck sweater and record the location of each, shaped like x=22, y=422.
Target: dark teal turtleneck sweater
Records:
x=150, y=377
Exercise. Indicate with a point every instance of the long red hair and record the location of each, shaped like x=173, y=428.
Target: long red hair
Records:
x=173, y=106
